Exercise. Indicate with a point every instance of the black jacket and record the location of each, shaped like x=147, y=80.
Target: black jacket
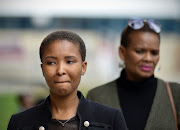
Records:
x=100, y=117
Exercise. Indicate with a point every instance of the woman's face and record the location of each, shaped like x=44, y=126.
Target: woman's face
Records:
x=62, y=67
x=141, y=55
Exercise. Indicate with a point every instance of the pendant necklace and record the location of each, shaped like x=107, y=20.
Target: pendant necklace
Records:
x=63, y=123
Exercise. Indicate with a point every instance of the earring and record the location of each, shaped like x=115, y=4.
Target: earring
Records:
x=157, y=69
x=121, y=64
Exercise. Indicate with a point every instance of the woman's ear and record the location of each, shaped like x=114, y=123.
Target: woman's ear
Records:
x=42, y=69
x=84, y=66
x=122, y=52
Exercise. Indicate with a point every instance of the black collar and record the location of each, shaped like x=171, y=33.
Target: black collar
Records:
x=81, y=108
x=124, y=82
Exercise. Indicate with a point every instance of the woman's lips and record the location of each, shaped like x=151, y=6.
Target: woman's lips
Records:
x=61, y=82
x=146, y=68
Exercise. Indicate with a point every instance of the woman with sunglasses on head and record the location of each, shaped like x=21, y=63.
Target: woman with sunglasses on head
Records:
x=63, y=54
x=143, y=98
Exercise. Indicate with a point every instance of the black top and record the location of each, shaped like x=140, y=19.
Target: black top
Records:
x=136, y=99
x=98, y=116
x=72, y=124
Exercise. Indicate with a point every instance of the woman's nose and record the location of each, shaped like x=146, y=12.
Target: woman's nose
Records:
x=148, y=57
x=60, y=70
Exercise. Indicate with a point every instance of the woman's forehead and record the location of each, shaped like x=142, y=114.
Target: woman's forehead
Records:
x=144, y=39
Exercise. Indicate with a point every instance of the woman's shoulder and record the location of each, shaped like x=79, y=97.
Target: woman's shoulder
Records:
x=31, y=112
x=30, y=116
x=101, y=110
x=173, y=85
x=35, y=112
x=96, y=105
x=101, y=113
x=104, y=88
x=175, y=89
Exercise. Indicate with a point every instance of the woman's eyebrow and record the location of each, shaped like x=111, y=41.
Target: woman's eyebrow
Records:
x=50, y=57
x=69, y=57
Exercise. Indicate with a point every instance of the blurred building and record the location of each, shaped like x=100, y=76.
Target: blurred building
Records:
x=23, y=25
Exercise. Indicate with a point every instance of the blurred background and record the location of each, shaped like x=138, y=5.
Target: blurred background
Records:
x=25, y=23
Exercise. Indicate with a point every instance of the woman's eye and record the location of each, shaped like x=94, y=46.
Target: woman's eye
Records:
x=155, y=52
x=51, y=63
x=139, y=51
x=70, y=62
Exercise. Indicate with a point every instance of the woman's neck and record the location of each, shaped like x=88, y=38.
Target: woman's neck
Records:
x=64, y=108
x=134, y=78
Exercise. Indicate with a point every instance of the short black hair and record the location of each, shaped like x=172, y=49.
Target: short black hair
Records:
x=63, y=35
x=125, y=40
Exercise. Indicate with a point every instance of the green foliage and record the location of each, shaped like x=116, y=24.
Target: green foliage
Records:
x=8, y=106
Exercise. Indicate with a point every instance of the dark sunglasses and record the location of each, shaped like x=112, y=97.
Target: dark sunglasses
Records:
x=138, y=23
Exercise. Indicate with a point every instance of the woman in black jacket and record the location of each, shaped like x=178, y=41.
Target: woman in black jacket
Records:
x=62, y=54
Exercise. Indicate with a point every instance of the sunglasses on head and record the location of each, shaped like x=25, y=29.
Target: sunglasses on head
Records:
x=139, y=23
